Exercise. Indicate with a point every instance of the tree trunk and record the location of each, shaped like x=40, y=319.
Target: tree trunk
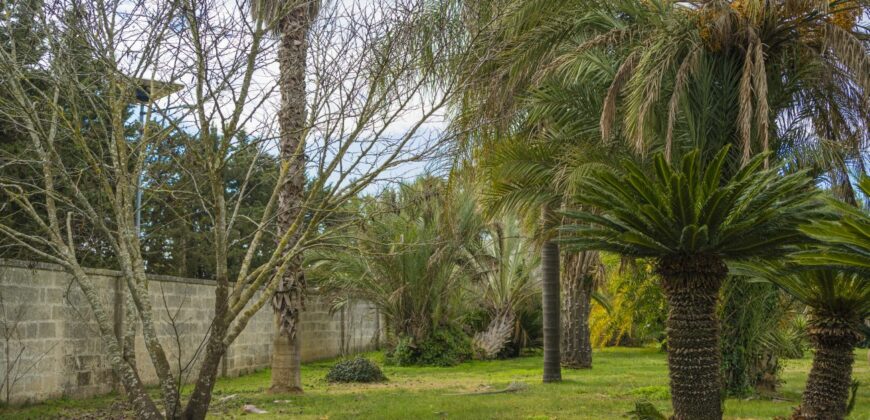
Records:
x=827, y=393
x=691, y=285
x=200, y=399
x=143, y=406
x=550, y=306
x=287, y=360
x=576, y=291
x=288, y=300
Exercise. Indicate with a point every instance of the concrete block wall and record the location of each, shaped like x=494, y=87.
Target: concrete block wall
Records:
x=45, y=317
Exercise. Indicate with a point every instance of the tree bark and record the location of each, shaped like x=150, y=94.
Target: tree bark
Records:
x=827, y=392
x=143, y=406
x=577, y=285
x=550, y=306
x=289, y=297
x=200, y=399
x=197, y=406
x=287, y=359
x=691, y=285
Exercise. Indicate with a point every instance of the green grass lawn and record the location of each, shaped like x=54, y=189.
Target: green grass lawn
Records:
x=620, y=377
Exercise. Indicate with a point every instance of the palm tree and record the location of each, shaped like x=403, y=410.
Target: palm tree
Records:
x=691, y=218
x=290, y=21
x=531, y=169
x=405, y=258
x=502, y=263
x=785, y=76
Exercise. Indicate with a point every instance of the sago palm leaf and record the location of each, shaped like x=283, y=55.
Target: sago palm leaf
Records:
x=689, y=208
x=845, y=241
x=828, y=292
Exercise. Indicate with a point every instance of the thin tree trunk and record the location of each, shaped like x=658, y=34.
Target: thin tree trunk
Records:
x=827, y=391
x=691, y=285
x=197, y=406
x=143, y=406
x=577, y=284
x=550, y=306
x=200, y=399
x=289, y=296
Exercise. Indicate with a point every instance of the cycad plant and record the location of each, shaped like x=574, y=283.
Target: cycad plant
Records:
x=837, y=291
x=845, y=241
x=838, y=303
x=691, y=218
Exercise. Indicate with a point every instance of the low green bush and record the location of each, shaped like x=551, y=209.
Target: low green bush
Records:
x=356, y=370
x=444, y=347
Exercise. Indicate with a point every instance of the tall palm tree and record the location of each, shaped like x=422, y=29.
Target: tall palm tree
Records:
x=690, y=217
x=531, y=169
x=290, y=20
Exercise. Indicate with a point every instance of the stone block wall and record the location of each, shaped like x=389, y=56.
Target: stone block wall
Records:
x=47, y=326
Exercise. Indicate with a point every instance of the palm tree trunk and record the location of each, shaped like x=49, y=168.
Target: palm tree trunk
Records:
x=550, y=306
x=827, y=392
x=691, y=285
x=288, y=301
x=286, y=362
x=576, y=345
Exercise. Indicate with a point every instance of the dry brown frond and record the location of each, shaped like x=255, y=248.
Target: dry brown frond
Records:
x=744, y=104
x=851, y=52
x=759, y=78
x=686, y=68
x=608, y=111
x=651, y=91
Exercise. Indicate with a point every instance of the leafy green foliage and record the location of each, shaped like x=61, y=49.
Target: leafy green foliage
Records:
x=402, y=257
x=693, y=209
x=845, y=241
x=358, y=369
x=644, y=410
x=636, y=315
x=174, y=219
x=758, y=329
x=447, y=346
x=835, y=297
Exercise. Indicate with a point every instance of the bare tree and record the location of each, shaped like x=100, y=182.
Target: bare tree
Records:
x=373, y=112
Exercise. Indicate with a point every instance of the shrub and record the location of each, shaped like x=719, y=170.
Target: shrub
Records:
x=355, y=370
x=446, y=346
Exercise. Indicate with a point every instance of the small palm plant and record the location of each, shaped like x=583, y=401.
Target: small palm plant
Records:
x=838, y=303
x=691, y=218
x=837, y=291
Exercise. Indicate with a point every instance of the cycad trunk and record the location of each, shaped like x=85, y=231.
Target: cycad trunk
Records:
x=691, y=285
x=288, y=301
x=576, y=347
x=550, y=306
x=827, y=392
